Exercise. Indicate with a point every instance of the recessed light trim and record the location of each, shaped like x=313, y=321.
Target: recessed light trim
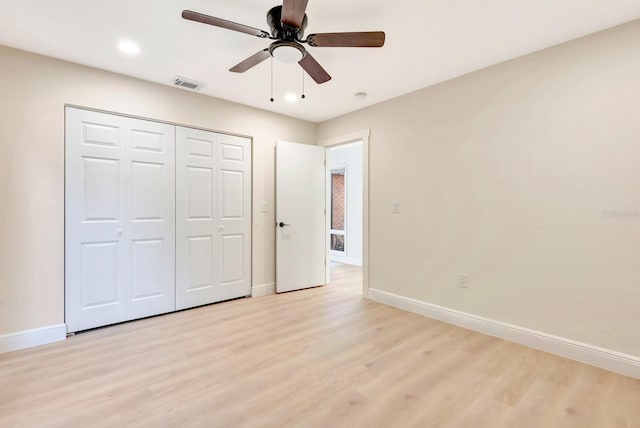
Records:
x=128, y=47
x=360, y=95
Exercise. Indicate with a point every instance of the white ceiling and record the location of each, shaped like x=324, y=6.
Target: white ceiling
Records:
x=428, y=41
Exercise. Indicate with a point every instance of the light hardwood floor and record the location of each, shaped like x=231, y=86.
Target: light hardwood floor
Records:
x=322, y=357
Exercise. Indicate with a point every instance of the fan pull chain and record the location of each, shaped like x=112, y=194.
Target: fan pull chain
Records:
x=303, y=96
x=271, y=79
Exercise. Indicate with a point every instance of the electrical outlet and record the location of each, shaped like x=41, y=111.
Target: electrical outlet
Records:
x=463, y=280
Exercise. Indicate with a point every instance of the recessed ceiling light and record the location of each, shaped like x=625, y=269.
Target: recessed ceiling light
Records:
x=360, y=95
x=291, y=97
x=129, y=47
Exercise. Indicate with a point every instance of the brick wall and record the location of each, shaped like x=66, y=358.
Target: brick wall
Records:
x=337, y=204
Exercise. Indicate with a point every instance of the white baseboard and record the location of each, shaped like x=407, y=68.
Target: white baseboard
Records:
x=263, y=290
x=28, y=338
x=607, y=359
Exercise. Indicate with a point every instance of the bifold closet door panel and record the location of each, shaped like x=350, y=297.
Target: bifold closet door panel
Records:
x=119, y=219
x=150, y=218
x=95, y=251
x=213, y=224
x=234, y=196
x=197, y=237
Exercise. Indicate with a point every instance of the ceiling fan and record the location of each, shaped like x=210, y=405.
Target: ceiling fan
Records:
x=287, y=23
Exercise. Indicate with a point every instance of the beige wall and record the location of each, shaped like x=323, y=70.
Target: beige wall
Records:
x=33, y=92
x=504, y=174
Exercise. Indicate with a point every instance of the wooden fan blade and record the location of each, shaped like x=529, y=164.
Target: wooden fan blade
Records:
x=368, y=39
x=222, y=23
x=314, y=69
x=293, y=12
x=252, y=61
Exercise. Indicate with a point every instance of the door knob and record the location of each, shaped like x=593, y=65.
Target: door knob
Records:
x=283, y=224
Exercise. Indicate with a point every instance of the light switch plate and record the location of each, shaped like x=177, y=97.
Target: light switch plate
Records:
x=395, y=207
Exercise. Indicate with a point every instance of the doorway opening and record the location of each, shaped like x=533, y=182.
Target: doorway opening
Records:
x=338, y=211
x=345, y=209
x=303, y=214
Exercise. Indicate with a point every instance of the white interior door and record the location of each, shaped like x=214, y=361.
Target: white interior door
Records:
x=119, y=219
x=196, y=227
x=213, y=208
x=94, y=219
x=300, y=216
x=150, y=219
x=234, y=216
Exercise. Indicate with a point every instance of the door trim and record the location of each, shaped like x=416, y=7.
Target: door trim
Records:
x=150, y=119
x=364, y=136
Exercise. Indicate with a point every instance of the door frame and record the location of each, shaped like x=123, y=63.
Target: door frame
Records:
x=340, y=140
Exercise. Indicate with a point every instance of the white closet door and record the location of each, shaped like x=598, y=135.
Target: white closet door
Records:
x=234, y=216
x=119, y=219
x=150, y=218
x=123, y=254
x=213, y=225
x=197, y=239
x=94, y=219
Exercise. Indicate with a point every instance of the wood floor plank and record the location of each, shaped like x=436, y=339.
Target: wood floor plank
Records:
x=322, y=357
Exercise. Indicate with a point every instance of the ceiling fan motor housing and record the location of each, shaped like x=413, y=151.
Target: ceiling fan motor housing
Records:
x=284, y=32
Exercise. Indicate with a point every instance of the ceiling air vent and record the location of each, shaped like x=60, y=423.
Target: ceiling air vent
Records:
x=188, y=83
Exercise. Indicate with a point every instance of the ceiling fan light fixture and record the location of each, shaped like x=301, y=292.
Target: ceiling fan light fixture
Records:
x=287, y=52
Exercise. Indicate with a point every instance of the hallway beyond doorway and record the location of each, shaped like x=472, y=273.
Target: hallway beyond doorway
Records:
x=347, y=277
